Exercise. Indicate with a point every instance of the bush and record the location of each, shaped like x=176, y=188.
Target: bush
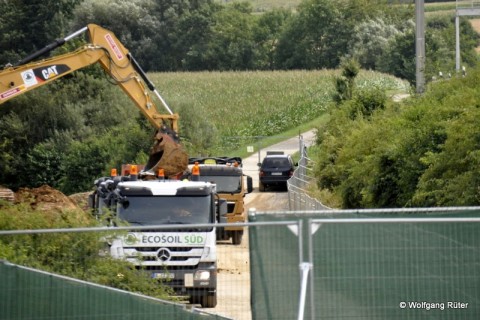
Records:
x=67, y=253
x=423, y=152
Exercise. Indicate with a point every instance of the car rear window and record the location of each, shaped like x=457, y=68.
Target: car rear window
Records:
x=276, y=162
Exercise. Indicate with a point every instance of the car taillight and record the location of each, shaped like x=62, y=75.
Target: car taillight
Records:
x=261, y=173
x=290, y=173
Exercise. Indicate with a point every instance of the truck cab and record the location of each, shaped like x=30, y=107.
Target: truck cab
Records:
x=232, y=185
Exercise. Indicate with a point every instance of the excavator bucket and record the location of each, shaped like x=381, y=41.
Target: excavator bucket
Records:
x=167, y=154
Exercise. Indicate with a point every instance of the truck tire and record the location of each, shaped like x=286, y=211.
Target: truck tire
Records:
x=209, y=301
x=261, y=187
x=237, y=237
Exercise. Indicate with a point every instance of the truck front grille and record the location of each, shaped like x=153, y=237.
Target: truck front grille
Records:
x=154, y=256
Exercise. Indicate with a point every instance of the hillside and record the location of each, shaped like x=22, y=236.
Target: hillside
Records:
x=265, y=5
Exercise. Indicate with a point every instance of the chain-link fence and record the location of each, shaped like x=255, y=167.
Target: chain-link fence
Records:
x=298, y=198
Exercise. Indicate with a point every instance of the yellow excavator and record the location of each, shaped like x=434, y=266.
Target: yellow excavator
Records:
x=103, y=47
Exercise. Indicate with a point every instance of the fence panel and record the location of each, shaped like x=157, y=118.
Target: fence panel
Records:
x=364, y=265
x=27, y=293
x=274, y=267
x=397, y=266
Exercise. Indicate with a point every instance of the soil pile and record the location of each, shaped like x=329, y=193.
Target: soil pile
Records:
x=81, y=199
x=45, y=198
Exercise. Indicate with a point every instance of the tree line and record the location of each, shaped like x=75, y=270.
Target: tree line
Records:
x=184, y=35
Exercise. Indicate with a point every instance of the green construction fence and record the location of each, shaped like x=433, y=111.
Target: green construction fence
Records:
x=367, y=264
x=32, y=294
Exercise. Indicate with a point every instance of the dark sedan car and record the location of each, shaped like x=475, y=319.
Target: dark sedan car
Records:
x=275, y=170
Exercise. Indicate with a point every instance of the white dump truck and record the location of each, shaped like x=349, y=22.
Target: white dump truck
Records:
x=183, y=257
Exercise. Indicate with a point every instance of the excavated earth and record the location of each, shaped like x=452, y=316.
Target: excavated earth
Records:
x=45, y=198
x=50, y=201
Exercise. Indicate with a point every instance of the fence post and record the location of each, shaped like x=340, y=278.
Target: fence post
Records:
x=304, y=268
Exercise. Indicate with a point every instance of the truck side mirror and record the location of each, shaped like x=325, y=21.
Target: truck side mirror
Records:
x=222, y=210
x=222, y=207
x=249, y=184
x=91, y=201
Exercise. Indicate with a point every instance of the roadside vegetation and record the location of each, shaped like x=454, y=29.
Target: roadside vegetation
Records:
x=71, y=254
x=421, y=152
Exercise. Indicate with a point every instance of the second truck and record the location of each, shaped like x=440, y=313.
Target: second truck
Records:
x=232, y=185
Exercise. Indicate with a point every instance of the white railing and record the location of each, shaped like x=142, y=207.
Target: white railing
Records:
x=298, y=198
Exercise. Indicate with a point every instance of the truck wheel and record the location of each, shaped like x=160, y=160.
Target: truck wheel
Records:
x=237, y=237
x=261, y=187
x=209, y=301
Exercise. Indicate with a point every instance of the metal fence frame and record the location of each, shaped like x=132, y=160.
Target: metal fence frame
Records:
x=298, y=198
x=306, y=267
x=314, y=223
x=180, y=308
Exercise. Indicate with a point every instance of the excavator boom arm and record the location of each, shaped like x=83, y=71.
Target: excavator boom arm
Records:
x=103, y=48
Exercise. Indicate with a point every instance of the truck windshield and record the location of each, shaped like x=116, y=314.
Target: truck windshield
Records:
x=225, y=184
x=150, y=210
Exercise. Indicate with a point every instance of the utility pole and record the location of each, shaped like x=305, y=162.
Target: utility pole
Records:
x=420, y=45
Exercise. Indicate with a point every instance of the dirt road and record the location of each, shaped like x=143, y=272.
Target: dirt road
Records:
x=234, y=261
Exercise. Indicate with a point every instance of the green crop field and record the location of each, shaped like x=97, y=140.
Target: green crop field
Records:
x=250, y=103
x=258, y=103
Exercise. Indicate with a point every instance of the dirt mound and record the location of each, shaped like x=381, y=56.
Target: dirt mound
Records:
x=81, y=199
x=45, y=198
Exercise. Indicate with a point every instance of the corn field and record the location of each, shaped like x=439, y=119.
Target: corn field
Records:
x=259, y=103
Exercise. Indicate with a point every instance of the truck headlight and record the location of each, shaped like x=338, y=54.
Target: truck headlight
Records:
x=206, y=252
x=202, y=275
x=117, y=252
